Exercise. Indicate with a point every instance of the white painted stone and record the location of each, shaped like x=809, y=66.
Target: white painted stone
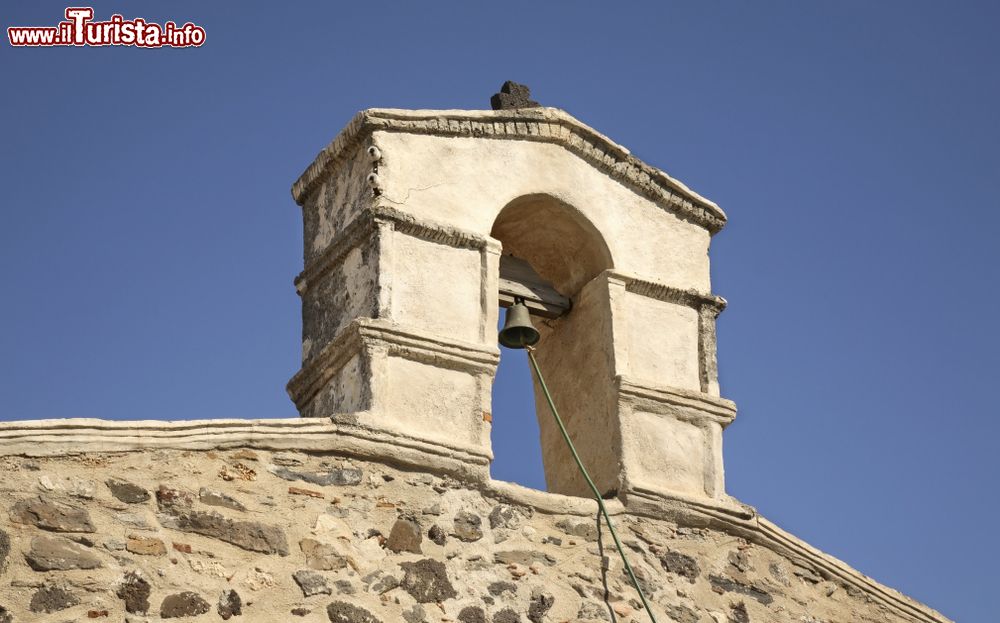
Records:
x=400, y=291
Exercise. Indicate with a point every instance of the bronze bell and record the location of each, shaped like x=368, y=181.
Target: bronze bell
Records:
x=518, y=331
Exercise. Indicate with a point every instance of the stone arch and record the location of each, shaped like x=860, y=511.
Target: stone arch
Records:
x=568, y=253
x=559, y=242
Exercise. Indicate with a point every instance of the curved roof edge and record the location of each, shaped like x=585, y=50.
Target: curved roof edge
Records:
x=52, y=438
x=549, y=125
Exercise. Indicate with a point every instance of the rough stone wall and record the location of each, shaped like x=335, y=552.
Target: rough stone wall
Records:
x=256, y=535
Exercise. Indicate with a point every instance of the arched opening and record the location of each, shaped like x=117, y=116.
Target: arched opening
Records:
x=551, y=255
x=559, y=243
x=516, y=440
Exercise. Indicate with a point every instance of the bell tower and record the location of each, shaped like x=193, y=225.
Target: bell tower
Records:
x=420, y=224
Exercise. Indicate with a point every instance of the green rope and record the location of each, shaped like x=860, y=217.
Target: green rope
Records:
x=593, y=487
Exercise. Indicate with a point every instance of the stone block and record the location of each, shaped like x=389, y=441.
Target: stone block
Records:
x=185, y=604
x=53, y=553
x=49, y=514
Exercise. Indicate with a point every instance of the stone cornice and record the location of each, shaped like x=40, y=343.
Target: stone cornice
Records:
x=364, y=225
x=717, y=409
x=80, y=435
x=669, y=294
x=66, y=437
x=412, y=345
x=89, y=436
x=549, y=125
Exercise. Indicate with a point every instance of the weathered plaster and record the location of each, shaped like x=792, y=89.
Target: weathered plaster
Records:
x=448, y=192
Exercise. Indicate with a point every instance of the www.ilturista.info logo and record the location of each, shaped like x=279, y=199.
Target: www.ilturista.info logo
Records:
x=79, y=29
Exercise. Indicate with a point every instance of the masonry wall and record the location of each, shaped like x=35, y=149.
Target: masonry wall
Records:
x=406, y=214
x=260, y=535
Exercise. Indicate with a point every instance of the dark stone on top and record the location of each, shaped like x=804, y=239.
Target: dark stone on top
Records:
x=512, y=96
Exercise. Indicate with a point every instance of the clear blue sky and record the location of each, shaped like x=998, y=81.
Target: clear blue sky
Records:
x=148, y=240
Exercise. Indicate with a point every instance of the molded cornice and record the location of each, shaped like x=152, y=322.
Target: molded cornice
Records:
x=548, y=125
